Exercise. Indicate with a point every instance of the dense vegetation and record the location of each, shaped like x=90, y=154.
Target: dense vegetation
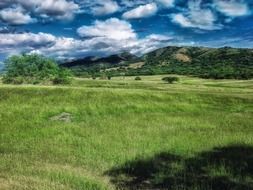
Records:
x=222, y=63
x=92, y=66
x=127, y=134
x=34, y=69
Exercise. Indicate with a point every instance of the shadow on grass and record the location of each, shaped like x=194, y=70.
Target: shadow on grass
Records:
x=227, y=168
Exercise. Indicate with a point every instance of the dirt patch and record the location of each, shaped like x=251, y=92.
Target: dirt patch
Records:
x=64, y=117
x=136, y=65
x=182, y=57
x=4, y=184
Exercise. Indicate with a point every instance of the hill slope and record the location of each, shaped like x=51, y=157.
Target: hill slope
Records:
x=92, y=65
x=203, y=62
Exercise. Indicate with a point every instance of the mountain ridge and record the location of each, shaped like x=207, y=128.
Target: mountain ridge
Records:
x=205, y=62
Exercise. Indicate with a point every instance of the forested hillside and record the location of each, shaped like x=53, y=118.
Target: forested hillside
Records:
x=217, y=63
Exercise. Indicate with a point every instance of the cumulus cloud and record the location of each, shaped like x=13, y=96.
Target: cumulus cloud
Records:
x=98, y=39
x=105, y=7
x=61, y=9
x=131, y=3
x=15, y=16
x=232, y=8
x=150, y=43
x=141, y=11
x=41, y=43
x=112, y=28
x=166, y=3
x=19, y=11
x=25, y=40
x=197, y=17
x=66, y=9
x=103, y=34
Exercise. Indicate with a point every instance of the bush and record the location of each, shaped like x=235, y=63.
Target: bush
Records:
x=137, y=78
x=170, y=80
x=62, y=77
x=16, y=80
x=34, y=69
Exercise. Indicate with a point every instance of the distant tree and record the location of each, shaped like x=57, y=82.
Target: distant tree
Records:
x=34, y=69
x=170, y=80
x=137, y=78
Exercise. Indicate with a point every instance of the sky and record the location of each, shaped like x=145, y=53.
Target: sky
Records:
x=71, y=29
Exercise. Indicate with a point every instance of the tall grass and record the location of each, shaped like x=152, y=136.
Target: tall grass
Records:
x=114, y=124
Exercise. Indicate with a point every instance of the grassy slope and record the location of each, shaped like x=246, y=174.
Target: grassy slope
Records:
x=116, y=123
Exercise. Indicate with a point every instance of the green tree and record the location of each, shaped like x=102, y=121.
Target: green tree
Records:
x=33, y=69
x=170, y=80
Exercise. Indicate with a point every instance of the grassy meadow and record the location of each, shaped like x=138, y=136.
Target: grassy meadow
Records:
x=126, y=134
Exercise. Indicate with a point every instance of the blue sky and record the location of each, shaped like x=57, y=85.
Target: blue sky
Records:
x=69, y=29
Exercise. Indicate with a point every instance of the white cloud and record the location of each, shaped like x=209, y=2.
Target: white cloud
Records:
x=59, y=9
x=131, y=3
x=232, y=8
x=105, y=7
x=150, y=43
x=101, y=38
x=42, y=43
x=15, y=16
x=112, y=29
x=166, y=3
x=16, y=43
x=141, y=11
x=196, y=17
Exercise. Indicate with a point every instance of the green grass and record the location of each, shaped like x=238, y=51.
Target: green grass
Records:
x=125, y=132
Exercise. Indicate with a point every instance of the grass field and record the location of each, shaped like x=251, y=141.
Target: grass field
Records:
x=126, y=134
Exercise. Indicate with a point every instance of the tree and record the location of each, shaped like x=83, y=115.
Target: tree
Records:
x=170, y=80
x=137, y=78
x=33, y=69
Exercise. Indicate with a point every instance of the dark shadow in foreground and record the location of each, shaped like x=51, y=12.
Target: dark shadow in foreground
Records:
x=226, y=168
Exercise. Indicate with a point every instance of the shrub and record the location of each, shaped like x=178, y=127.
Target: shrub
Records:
x=137, y=78
x=170, y=80
x=6, y=79
x=62, y=77
x=16, y=80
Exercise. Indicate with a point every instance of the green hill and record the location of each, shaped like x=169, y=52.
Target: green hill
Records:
x=217, y=63
x=203, y=62
x=93, y=65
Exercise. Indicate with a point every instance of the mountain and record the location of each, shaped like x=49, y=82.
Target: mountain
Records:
x=110, y=61
x=203, y=62
x=91, y=66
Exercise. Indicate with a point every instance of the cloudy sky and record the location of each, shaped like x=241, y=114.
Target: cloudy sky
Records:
x=68, y=29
